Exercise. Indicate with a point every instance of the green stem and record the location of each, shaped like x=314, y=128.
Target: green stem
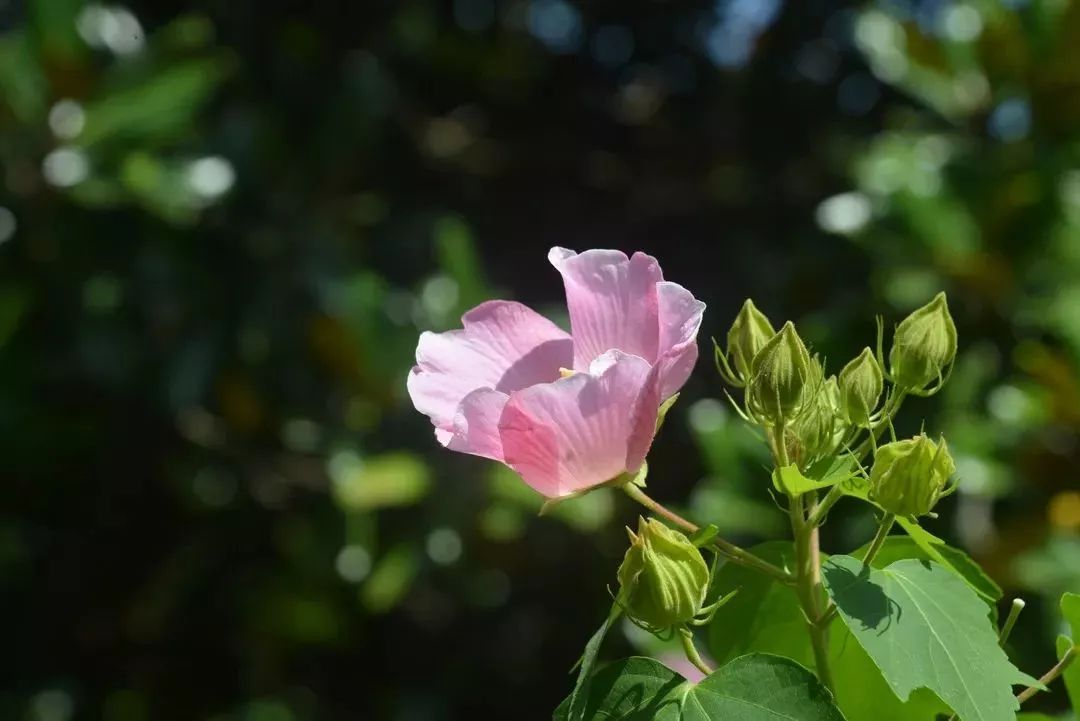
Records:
x=892, y=406
x=728, y=550
x=1010, y=621
x=818, y=516
x=1050, y=675
x=808, y=587
x=887, y=522
x=807, y=567
x=692, y=655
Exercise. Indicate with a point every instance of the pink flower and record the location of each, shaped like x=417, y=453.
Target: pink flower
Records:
x=496, y=388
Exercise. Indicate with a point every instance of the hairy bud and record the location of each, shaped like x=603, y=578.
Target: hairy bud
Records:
x=924, y=347
x=779, y=377
x=910, y=476
x=748, y=335
x=818, y=428
x=861, y=383
x=663, y=576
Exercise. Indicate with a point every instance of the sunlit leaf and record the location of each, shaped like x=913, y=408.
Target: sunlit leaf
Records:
x=765, y=617
x=925, y=628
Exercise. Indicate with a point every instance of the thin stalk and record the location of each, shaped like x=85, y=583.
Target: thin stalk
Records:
x=1050, y=675
x=892, y=406
x=692, y=655
x=728, y=550
x=886, y=525
x=1010, y=620
x=818, y=516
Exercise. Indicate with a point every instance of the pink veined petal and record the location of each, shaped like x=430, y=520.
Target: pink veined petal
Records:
x=679, y=316
x=583, y=430
x=476, y=424
x=612, y=302
x=503, y=346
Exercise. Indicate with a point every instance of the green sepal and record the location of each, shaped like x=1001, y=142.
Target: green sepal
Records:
x=661, y=414
x=704, y=535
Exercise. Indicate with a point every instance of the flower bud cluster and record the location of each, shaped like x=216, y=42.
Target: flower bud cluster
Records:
x=787, y=389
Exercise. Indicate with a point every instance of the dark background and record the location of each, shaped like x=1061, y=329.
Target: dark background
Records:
x=224, y=224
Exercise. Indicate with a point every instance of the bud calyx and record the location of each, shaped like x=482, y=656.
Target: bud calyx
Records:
x=781, y=373
x=909, y=476
x=924, y=347
x=748, y=335
x=663, y=576
x=861, y=383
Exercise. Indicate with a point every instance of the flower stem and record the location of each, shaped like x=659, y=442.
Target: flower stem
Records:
x=1050, y=675
x=728, y=550
x=1010, y=621
x=886, y=525
x=818, y=516
x=692, y=655
x=807, y=566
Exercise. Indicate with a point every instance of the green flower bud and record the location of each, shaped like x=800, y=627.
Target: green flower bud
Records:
x=924, y=347
x=910, y=476
x=818, y=429
x=861, y=383
x=779, y=376
x=663, y=576
x=748, y=335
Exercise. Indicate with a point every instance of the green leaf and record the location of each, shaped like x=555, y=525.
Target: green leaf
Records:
x=833, y=470
x=923, y=545
x=758, y=687
x=1070, y=611
x=703, y=535
x=587, y=662
x=925, y=628
x=790, y=480
x=662, y=412
x=765, y=617
x=159, y=109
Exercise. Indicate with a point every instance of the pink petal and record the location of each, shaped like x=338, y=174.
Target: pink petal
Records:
x=504, y=346
x=680, y=316
x=612, y=302
x=583, y=430
x=476, y=424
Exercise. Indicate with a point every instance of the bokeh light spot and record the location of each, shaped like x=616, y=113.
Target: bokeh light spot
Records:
x=65, y=167
x=353, y=563
x=557, y=24
x=844, y=213
x=1011, y=120
x=211, y=177
x=66, y=119
x=444, y=546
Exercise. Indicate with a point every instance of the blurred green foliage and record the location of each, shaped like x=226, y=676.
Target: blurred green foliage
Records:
x=222, y=227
